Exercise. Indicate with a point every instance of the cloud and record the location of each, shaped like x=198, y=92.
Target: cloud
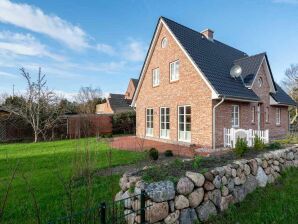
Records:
x=134, y=51
x=6, y=74
x=24, y=44
x=34, y=19
x=105, y=48
x=286, y=1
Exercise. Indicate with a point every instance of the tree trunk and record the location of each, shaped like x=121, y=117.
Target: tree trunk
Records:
x=35, y=136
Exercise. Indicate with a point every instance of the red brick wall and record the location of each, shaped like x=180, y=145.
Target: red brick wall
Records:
x=130, y=90
x=189, y=90
x=224, y=113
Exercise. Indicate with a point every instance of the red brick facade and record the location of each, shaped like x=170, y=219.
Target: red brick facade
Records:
x=192, y=90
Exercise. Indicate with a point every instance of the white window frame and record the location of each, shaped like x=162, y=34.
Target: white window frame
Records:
x=253, y=114
x=267, y=114
x=164, y=120
x=155, y=77
x=149, y=120
x=277, y=116
x=164, y=42
x=235, y=116
x=184, y=136
x=174, y=70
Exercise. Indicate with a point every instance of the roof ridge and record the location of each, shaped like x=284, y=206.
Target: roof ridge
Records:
x=250, y=56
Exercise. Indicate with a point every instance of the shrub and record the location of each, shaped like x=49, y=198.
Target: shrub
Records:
x=240, y=147
x=274, y=145
x=197, y=162
x=169, y=153
x=258, y=143
x=110, y=135
x=153, y=154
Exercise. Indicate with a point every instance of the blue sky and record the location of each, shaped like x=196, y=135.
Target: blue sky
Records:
x=103, y=43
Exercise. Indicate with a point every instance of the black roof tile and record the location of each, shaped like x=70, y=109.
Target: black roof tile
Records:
x=282, y=97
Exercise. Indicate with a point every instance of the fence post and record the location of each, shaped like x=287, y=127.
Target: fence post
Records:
x=143, y=212
x=103, y=213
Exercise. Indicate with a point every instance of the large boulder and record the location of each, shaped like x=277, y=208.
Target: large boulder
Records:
x=188, y=216
x=161, y=191
x=157, y=212
x=261, y=177
x=206, y=210
x=246, y=169
x=239, y=193
x=126, y=197
x=172, y=218
x=253, y=166
x=196, y=197
x=217, y=181
x=185, y=186
x=251, y=184
x=197, y=178
x=181, y=202
x=225, y=202
x=215, y=197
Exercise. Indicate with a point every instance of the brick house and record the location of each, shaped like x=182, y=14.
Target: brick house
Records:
x=192, y=86
x=118, y=103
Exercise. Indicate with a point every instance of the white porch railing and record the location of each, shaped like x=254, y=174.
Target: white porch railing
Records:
x=231, y=135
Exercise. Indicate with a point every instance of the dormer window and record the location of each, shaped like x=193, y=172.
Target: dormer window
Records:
x=260, y=82
x=164, y=42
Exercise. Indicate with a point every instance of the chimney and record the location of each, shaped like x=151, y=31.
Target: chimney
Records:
x=208, y=33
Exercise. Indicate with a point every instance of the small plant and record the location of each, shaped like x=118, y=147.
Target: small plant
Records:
x=240, y=147
x=197, y=162
x=258, y=143
x=177, y=163
x=153, y=154
x=110, y=135
x=131, y=189
x=169, y=153
x=274, y=145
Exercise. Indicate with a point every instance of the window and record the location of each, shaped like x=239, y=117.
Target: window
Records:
x=267, y=114
x=174, y=71
x=253, y=114
x=155, y=77
x=184, y=123
x=260, y=82
x=235, y=116
x=164, y=42
x=149, y=122
x=164, y=122
x=277, y=116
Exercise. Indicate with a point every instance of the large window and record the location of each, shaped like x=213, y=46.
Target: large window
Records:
x=174, y=71
x=253, y=114
x=235, y=116
x=184, y=123
x=149, y=122
x=164, y=122
x=277, y=116
x=155, y=77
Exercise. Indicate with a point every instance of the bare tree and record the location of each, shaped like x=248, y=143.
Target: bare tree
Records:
x=87, y=98
x=290, y=81
x=38, y=106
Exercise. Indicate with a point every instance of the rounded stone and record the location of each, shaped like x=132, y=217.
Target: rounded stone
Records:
x=185, y=186
x=224, y=191
x=172, y=218
x=246, y=169
x=197, y=178
x=196, y=197
x=181, y=202
x=217, y=181
x=208, y=186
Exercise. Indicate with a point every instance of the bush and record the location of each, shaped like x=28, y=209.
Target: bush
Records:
x=240, y=147
x=153, y=154
x=169, y=153
x=197, y=162
x=274, y=145
x=258, y=143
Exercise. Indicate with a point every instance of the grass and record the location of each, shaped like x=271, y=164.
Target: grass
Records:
x=277, y=203
x=44, y=167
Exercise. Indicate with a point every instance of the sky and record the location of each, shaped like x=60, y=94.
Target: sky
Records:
x=103, y=43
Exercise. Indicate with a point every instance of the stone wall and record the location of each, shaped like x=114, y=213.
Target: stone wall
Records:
x=198, y=196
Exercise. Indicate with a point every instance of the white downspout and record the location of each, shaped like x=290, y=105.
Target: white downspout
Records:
x=214, y=120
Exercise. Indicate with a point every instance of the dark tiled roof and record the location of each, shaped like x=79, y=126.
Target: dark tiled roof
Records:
x=135, y=82
x=250, y=66
x=282, y=97
x=215, y=59
x=118, y=103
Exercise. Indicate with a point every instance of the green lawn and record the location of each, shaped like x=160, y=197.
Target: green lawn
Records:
x=44, y=169
x=275, y=204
